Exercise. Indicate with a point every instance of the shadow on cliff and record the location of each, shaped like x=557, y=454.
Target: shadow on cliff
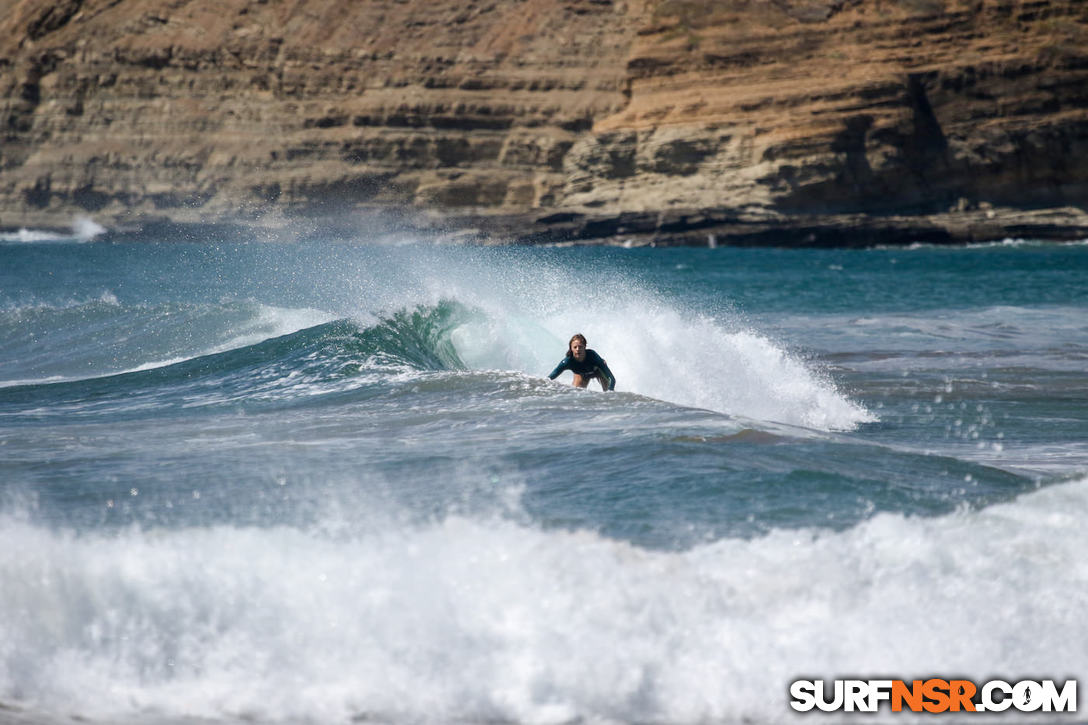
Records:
x=915, y=167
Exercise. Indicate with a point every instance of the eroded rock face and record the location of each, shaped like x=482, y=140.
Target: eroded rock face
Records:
x=543, y=118
x=211, y=108
x=871, y=106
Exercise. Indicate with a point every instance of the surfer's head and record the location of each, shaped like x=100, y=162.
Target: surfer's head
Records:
x=576, y=348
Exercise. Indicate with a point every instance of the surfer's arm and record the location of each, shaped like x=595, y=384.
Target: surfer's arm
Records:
x=563, y=364
x=602, y=369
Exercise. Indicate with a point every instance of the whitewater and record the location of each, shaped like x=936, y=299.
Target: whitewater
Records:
x=328, y=481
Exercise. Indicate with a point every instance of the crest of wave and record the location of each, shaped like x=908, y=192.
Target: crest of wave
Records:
x=700, y=362
x=654, y=345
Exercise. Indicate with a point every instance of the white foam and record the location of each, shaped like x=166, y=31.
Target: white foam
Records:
x=30, y=236
x=1006, y=243
x=654, y=346
x=84, y=229
x=106, y=297
x=15, y=383
x=493, y=620
x=702, y=362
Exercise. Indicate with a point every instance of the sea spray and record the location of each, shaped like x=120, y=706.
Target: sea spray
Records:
x=483, y=618
x=83, y=229
x=512, y=315
x=655, y=346
x=354, y=495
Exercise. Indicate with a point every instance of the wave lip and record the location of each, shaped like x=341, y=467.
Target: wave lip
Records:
x=690, y=362
x=506, y=312
x=701, y=362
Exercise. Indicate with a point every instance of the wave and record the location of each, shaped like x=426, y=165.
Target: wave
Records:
x=328, y=357
x=80, y=339
x=84, y=229
x=691, y=362
x=1006, y=243
x=489, y=619
x=514, y=313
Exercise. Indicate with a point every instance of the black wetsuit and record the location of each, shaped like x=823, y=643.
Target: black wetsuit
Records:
x=593, y=366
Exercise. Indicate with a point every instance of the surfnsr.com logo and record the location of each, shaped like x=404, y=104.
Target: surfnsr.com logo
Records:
x=934, y=695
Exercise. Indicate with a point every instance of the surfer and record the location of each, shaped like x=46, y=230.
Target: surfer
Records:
x=586, y=365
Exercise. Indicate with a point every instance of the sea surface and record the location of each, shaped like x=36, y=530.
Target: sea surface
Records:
x=329, y=481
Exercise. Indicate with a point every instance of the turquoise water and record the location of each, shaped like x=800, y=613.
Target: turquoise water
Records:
x=329, y=481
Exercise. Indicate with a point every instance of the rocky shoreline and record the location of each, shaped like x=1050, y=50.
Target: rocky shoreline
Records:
x=698, y=229
x=694, y=229
x=709, y=229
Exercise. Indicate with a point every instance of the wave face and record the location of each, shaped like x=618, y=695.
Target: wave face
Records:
x=330, y=482
x=311, y=361
x=445, y=311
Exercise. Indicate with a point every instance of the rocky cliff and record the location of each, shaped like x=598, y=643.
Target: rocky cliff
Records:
x=759, y=121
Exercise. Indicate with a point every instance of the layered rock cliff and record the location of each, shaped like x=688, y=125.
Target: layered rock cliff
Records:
x=805, y=121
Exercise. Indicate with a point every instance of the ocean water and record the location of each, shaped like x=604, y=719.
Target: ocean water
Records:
x=329, y=481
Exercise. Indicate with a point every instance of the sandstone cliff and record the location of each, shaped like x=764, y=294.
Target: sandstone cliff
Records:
x=805, y=121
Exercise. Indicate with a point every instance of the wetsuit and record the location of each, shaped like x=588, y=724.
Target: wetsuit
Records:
x=593, y=366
